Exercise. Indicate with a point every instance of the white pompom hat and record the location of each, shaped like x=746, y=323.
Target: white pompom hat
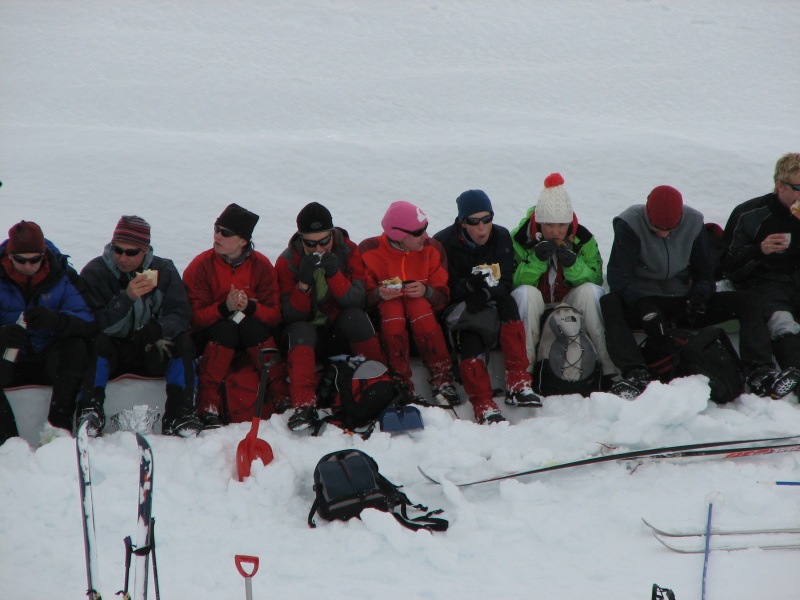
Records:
x=554, y=205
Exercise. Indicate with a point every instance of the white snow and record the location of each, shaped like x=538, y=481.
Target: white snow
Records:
x=172, y=109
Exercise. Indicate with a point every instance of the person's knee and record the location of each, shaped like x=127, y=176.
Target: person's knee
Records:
x=355, y=324
x=224, y=333
x=299, y=333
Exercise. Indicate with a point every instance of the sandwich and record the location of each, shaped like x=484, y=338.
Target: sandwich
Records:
x=152, y=275
x=393, y=283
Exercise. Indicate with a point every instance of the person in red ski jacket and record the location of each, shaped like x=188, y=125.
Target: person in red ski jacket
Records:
x=322, y=295
x=233, y=291
x=474, y=241
x=407, y=283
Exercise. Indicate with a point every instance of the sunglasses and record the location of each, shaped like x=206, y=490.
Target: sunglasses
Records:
x=226, y=233
x=128, y=252
x=475, y=220
x=794, y=186
x=24, y=261
x=415, y=233
x=314, y=243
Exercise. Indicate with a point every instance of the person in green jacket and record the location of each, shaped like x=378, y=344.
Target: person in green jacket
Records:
x=558, y=261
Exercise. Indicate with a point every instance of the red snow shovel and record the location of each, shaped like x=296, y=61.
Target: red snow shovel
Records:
x=251, y=448
x=248, y=584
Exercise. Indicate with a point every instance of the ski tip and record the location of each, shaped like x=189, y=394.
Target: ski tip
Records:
x=428, y=477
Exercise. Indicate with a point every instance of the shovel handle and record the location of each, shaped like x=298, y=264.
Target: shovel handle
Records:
x=252, y=560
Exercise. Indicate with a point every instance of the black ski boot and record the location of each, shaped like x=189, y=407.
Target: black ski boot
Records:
x=90, y=410
x=179, y=416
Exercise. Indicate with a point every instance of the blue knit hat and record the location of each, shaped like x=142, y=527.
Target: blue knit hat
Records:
x=471, y=202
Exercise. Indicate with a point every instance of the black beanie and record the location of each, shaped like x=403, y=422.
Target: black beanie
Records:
x=239, y=220
x=314, y=218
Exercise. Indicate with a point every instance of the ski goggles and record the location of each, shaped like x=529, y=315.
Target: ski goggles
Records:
x=476, y=220
x=314, y=243
x=415, y=233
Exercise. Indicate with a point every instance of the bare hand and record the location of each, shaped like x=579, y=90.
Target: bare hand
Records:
x=775, y=242
x=139, y=286
x=389, y=293
x=415, y=289
x=237, y=299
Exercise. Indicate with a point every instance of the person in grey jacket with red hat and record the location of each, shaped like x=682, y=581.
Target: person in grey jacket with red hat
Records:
x=45, y=323
x=660, y=272
x=143, y=314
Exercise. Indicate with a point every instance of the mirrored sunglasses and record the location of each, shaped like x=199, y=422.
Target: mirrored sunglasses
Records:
x=314, y=243
x=128, y=252
x=794, y=186
x=415, y=233
x=23, y=261
x=475, y=220
x=226, y=233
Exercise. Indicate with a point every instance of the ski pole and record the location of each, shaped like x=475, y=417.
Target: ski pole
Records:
x=153, y=550
x=128, y=552
x=248, y=585
x=708, y=547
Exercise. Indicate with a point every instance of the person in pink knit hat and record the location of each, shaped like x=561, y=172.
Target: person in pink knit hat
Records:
x=406, y=280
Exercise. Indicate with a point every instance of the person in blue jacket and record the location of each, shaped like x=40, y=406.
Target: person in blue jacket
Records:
x=44, y=324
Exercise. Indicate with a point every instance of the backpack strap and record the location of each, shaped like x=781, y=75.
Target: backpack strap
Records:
x=311, y=514
x=425, y=521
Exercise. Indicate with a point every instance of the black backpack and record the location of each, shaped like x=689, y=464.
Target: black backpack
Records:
x=347, y=481
x=708, y=352
x=358, y=390
x=566, y=359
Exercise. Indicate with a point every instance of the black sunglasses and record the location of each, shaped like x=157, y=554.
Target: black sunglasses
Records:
x=314, y=243
x=23, y=261
x=415, y=233
x=794, y=186
x=128, y=252
x=226, y=233
x=475, y=220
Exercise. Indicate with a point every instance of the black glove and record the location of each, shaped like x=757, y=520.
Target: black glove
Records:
x=477, y=300
x=477, y=281
x=544, y=250
x=330, y=263
x=13, y=336
x=149, y=333
x=41, y=317
x=566, y=255
x=308, y=264
x=653, y=320
x=695, y=306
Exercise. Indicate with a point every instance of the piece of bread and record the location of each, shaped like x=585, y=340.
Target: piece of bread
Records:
x=795, y=208
x=493, y=268
x=152, y=275
x=394, y=282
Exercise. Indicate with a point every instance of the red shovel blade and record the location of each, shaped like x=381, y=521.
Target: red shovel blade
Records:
x=252, y=448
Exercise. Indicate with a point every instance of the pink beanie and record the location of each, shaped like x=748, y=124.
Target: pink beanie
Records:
x=402, y=217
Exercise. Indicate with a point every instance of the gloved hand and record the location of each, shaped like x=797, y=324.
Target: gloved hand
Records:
x=477, y=300
x=695, y=306
x=41, y=317
x=477, y=281
x=12, y=336
x=653, y=320
x=566, y=254
x=149, y=333
x=478, y=292
x=330, y=263
x=305, y=270
x=544, y=250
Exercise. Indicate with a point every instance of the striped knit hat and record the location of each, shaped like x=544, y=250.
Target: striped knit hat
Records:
x=133, y=230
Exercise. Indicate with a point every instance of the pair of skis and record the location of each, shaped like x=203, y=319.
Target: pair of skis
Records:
x=145, y=544
x=726, y=449
x=693, y=542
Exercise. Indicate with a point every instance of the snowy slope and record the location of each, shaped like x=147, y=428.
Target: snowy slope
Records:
x=173, y=109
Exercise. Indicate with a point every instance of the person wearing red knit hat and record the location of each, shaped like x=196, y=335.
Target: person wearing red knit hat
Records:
x=558, y=261
x=45, y=324
x=661, y=276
